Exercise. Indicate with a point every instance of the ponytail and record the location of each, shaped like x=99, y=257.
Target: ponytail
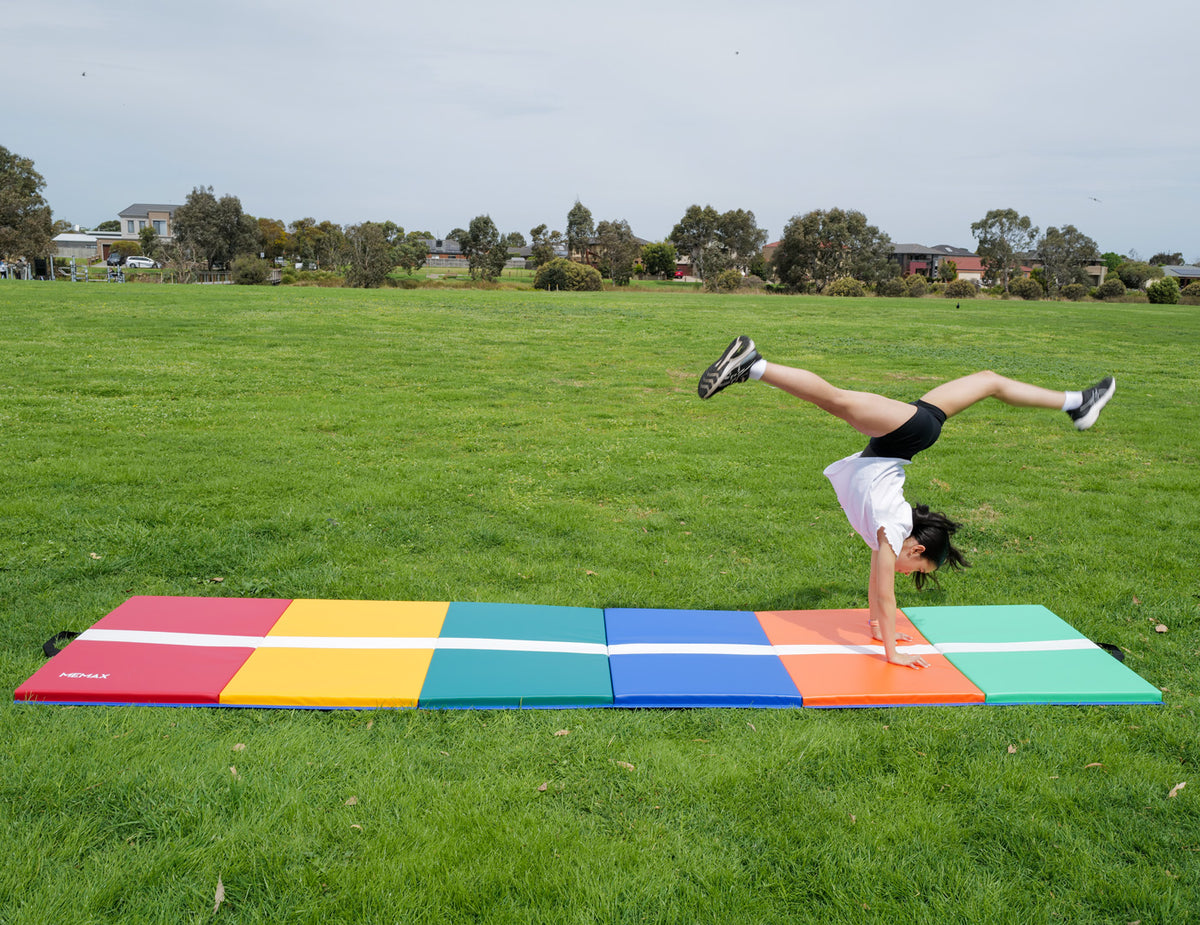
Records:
x=933, y=531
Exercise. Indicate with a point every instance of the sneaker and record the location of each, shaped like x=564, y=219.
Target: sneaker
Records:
x=733, y=366
x=1094, y=399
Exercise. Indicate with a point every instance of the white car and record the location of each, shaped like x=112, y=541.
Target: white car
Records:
x=140, y=263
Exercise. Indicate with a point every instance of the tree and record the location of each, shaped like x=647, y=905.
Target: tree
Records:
x=148, y=238
x=1111, y=260
x=821, y=246
x=947, y=271
x=580, y=229
x=659, y=259
x=214, y=230
x=302, y=236
x=111, y=225
x=715, y=241
x=1162, y=259
x=740, y=238
x=26, y=226
x=483, y=247
x=330, y=246
x=1003, y=237
x=1136, y=273
x=412, y=251
x=618, y=249
x=693, y=234
x=272, y=238
x=544, y=244
x=372, y=256
x=513, y=239
x=1064, y=256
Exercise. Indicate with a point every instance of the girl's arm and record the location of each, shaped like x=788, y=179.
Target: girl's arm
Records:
x=881, y=596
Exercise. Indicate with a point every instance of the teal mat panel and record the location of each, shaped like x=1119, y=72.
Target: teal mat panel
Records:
x=525, y=621
x=486, y=678
x=996, y=647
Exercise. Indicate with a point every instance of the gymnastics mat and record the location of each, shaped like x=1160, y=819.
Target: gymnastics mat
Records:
x=439, y=655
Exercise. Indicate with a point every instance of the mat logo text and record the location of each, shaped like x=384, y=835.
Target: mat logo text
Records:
x=83, y=674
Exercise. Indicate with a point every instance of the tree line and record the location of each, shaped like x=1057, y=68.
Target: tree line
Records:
x=816, y=250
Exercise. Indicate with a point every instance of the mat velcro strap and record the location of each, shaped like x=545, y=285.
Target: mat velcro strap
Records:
x=55, y=643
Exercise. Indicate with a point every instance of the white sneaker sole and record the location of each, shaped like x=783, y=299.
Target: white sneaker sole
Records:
x=1094, y=412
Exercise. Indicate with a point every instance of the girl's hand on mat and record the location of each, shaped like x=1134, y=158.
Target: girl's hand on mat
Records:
x=912, y=661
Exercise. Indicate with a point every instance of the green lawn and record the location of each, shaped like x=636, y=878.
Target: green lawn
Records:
x=550, y=449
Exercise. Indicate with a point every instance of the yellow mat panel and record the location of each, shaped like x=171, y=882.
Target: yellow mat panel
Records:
x=361, y=618
x=329, y=678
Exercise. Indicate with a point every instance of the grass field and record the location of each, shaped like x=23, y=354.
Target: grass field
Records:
x=550, y=448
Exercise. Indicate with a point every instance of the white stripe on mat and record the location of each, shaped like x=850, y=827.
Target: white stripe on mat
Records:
x=852, y=650
x=690, y=648
x=1048, y=645
x=215, y=640
x=212, y=640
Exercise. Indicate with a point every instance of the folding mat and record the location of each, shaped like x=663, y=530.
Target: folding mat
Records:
x=218, y=651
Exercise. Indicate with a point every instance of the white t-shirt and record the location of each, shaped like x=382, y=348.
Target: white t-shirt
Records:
x=870, y=490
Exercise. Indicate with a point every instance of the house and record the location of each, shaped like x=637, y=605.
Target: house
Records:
x=76, y=246
x=928, y=261
x=141, y=215
x=1183, y=274
x=84, y=245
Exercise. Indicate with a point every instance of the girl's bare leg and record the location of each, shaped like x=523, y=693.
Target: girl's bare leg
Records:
x=870, y=414
x=958, y=394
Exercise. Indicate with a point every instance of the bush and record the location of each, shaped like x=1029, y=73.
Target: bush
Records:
x=753, y=282
x=847, y=286
x=959, y=289
x=249, y=271
x=1191, y=291
x=567, y=276
x=1074, y=292
x=1163, y=291
x=916, y=286
x=891, y=288
x=1111, y=288
x=1025, y=288
x=725, y=281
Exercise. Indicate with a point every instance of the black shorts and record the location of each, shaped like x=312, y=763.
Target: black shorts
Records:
x=919, y=432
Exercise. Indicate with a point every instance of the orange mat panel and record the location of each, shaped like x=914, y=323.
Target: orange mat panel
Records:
x=837, y=663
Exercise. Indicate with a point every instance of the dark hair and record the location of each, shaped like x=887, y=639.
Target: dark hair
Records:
x=933, y=531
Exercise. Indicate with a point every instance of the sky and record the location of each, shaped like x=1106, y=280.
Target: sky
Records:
x=922, y=116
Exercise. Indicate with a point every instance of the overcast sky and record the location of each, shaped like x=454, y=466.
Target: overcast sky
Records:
x=924, y=116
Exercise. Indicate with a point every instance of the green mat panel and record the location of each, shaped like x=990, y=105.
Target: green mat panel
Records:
x=1025, y=654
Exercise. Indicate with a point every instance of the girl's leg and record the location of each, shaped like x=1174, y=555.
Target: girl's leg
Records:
x=958, y=394
x=870, y=414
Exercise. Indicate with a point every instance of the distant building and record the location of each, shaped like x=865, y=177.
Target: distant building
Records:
x=927, y=261
x=139, y=216
x=1184, y=274
x=84, y=245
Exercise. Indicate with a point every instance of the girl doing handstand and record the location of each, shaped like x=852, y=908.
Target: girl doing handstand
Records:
x=870, y=484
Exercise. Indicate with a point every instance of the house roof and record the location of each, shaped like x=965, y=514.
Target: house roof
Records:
x=938, y=250
x=145, y=208
x=1182, y=272
x=914, y=249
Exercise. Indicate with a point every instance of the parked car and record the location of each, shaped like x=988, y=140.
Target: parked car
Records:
x=114, y=259
x=140, y=263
